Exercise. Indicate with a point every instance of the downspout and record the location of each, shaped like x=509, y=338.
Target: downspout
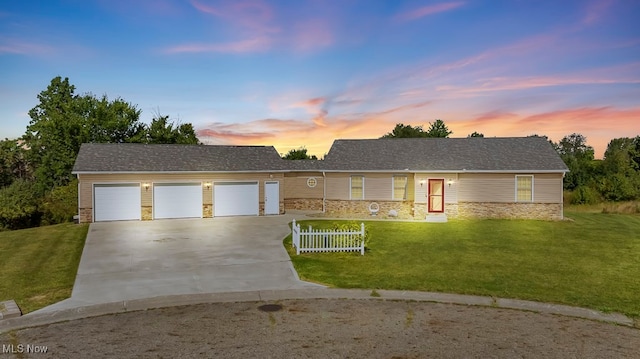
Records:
x=324, y=191
x=79, y=201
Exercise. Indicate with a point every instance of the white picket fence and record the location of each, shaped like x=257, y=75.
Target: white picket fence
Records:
x=320, y=240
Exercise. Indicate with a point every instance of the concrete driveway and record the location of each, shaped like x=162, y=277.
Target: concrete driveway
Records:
x=134, y=260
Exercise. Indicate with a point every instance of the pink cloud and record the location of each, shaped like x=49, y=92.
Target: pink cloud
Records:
x=252, y=16
x=595, y=11
x=311, y=35
x=237, y=47
x=428, y=10
x=18, y=47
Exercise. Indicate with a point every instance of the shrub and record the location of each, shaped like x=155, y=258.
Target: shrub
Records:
x=584, y=195
x=61, y=204
x=19, y=205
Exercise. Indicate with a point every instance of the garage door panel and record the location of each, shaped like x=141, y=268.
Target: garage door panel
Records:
x=117, y=202
x=236, y=199
x=177, y=200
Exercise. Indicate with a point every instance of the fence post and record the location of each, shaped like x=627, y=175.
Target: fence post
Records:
x=293, y=233
x=362, y=243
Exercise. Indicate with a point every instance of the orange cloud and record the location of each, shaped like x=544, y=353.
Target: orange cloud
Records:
x=428, y=10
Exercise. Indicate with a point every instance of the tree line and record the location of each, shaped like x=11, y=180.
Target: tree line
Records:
x=36, y=184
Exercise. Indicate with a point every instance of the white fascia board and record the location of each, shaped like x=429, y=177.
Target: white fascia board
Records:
x=170, y=172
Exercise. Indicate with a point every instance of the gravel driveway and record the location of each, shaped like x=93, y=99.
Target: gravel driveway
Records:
x=330, y=328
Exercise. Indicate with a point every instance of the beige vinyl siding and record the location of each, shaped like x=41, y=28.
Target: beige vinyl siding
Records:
x=87, y=181
x=377, y=186
x=338, y=186
x=547, y=188
x=450, y=192
x=296, y=186
x=501, y=187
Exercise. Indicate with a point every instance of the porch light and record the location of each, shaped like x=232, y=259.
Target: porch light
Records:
x=207, y=185
x=146, y=186
x=450, y=182
x=422, y=182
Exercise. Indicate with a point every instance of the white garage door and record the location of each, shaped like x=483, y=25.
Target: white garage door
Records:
x=235, y=199
x=177, y=200
x=116, y=202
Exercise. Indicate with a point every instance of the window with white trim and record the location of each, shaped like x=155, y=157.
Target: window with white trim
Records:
x=357, y=187
x=524, y=188
x=399, y=188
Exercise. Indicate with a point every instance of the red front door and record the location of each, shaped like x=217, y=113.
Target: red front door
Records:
x=436, y=195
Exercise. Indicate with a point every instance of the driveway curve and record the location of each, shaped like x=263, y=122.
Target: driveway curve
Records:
x=134, y=260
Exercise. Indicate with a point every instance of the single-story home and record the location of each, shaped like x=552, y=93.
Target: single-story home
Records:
x=432, y=178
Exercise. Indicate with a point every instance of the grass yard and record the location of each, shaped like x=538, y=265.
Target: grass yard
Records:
x=592, y=261
x=38, y=265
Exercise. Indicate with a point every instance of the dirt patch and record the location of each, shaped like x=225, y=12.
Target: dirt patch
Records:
x=331, y=329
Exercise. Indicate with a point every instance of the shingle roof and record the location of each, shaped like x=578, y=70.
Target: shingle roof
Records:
x=133, y=157
x=445, y=154
x=521, y=154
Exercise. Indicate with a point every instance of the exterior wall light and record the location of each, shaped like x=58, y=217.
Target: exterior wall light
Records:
x=146, y=186
x=422, y=182
x=450, y=182
x=207, y=185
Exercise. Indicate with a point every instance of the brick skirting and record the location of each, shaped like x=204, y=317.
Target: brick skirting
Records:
x=303, y=204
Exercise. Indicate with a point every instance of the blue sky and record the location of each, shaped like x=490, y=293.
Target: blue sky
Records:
x=294, y=73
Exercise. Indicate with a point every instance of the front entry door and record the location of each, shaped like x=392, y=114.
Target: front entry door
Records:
x=436, y=195
x=271, y=197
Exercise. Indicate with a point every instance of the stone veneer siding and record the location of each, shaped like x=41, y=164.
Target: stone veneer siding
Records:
x=304, y=204
x=207, y=211
x=360, y=208
x=545, y=211
x=461, y=210
x=147, y=213
x=86, y=215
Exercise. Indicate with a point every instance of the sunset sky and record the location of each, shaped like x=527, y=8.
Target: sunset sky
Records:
x=303, y=73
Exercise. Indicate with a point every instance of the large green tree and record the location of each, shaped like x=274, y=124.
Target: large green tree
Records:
x=405, y=131
x=162, y=130
x=13, y=163
x=63, y=120
x=579, y=157
x=438, y=129
x=299, y=154
x=620, y=170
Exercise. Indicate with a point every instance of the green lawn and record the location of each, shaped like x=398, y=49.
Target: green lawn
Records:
x=38, y=265
x=592, y=261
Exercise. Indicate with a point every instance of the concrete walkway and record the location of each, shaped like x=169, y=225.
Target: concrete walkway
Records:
x=53, y=316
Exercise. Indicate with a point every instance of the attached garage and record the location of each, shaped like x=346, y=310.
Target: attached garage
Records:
x=116, y=202
x=177, y=200
x=236, y=199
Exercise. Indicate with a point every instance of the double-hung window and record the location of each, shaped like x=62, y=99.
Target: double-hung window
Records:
x=524, y=188
x=399, y=188
x=357, y=187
